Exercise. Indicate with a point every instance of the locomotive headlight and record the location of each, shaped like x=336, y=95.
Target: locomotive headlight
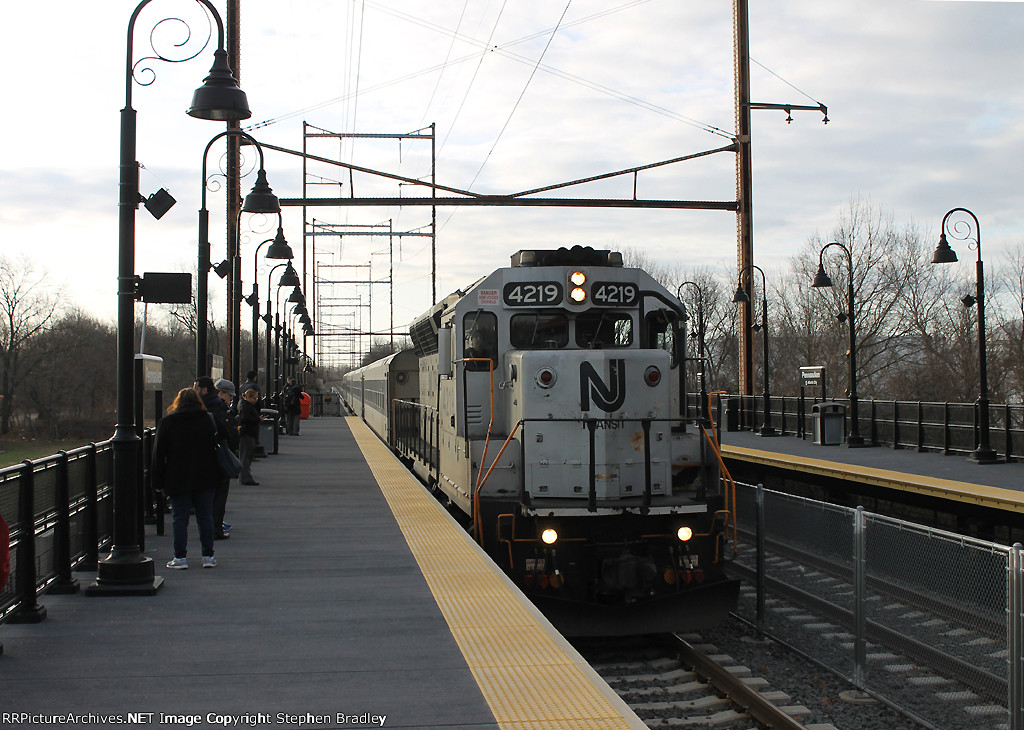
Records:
x=652, y=375
x=546, y=377
x=549, y=536
x=684, y=533
x=578, y=278
x=578, y=295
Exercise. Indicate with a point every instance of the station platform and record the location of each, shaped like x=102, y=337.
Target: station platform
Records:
x=346, y=597
x=997, y=486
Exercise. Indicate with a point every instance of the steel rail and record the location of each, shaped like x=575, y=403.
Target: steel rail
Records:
x=755, y=705
x=978, y=679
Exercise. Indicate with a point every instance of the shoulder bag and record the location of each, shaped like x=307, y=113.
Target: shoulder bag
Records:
x=229, y=464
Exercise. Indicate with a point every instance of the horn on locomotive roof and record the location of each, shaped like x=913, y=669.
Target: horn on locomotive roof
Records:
x=575, y=256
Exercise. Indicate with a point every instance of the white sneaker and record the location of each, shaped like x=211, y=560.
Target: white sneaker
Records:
x=178, y=563
x=209, y=561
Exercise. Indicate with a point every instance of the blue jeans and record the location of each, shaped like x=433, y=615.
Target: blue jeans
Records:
x=181, y=506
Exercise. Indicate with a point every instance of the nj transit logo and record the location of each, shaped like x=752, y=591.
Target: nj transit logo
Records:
x=607, y=396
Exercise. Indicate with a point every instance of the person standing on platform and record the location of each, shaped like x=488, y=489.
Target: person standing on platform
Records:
x=227, y=429
x=252, y=383
x=184, y=467
x=292, y=407
x=248, y=430
x=226, y=393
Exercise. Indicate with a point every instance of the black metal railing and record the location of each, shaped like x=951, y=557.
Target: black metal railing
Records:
x=59, y=510
x=947, y=428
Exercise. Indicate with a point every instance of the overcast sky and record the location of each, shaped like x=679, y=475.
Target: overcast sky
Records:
x=925, y=100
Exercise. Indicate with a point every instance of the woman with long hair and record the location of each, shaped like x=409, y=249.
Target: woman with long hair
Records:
x=185, y=469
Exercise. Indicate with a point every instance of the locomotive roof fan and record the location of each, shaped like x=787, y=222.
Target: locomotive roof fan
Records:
x=575, y=256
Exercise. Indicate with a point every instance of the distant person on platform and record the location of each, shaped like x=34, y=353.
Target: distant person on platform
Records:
x=248, y=430
x=252, y=383
x=292, y=407
x=185, y=469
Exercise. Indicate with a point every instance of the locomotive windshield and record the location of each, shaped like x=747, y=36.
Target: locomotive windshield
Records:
x=481, y=339
x=539, y=330
x=595, y=330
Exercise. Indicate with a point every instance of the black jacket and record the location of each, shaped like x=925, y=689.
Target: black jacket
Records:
x=227, y=423
x=185, y=452
x=248, y=419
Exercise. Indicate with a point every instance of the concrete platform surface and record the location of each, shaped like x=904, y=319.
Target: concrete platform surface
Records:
x=316, y=616
x=1000, y=484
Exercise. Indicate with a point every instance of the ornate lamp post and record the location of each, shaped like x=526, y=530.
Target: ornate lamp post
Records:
x=268, y=318
x=279, y=249
x=261, y=199
x=126, y=571
x=290, y=278
x=742, y=296
x=961, y=230
x=821, y=279
x=702, y=375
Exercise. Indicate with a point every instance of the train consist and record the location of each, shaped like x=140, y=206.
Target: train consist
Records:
x=544, y=404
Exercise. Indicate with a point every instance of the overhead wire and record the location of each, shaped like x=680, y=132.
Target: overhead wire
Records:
x=469, y=87
x=502, y=49
x=522, y=93
x=787, y=83
x=447, y=58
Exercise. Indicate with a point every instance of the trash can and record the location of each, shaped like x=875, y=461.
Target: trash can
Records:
x=829, y=420
x=269, y=429
x=304, y=403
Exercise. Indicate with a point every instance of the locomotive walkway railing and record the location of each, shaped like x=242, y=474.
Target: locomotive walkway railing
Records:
x=948, y=428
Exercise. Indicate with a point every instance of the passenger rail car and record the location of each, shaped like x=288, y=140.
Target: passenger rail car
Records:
x=548, y=409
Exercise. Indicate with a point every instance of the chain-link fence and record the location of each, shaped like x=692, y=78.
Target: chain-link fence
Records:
x=927, y=620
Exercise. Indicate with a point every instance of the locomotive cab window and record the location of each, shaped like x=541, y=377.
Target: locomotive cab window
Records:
x=480, y=339
x=601, y=329
x=539, y=330
x=662, y=333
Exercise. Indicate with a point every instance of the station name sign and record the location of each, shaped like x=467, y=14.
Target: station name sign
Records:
x=812, y=376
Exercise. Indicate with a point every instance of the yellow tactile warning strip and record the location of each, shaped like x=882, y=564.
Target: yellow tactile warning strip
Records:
x=1004, y=499
x=531, y=678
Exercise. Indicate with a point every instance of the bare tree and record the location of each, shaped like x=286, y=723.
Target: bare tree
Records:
x=27, y=309
x=73, y=384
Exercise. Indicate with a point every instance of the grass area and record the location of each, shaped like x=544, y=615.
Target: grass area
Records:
x=14, y=451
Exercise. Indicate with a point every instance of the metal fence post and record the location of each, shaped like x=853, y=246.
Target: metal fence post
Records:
x=29, y=611
x=1008, y=425
x=92, y=514
x=920, y=426
x=945, y=428
x=65, y=583
x=859, y=597
x=1016, y=637
x=759, y=527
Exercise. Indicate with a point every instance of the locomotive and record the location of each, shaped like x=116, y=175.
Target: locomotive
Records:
x=546, y=404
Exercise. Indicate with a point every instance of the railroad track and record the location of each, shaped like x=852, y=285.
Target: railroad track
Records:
x=669, y=681
x=936, y=652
